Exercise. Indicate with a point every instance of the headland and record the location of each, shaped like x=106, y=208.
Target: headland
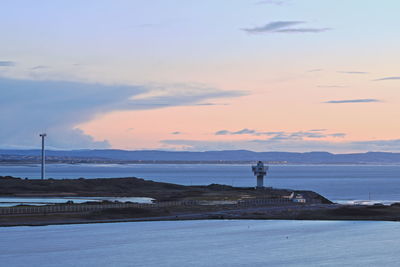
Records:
x=172, y=202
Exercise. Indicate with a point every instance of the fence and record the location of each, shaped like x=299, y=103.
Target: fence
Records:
x=262, y=202
x=80, y=208
x=273, y=201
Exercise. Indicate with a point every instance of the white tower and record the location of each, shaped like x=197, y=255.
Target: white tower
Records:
x=260, y=171
x=43, y=135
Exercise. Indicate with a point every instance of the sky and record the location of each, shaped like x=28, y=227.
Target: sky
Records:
x=262, y=75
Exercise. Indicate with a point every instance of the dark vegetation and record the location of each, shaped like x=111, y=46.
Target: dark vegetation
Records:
x=358, y=212
x=135, y=187
x=120, y=213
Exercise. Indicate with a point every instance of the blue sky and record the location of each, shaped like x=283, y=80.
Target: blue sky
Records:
x=199, y=67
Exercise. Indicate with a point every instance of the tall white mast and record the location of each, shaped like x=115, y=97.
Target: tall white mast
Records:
x=43, y=135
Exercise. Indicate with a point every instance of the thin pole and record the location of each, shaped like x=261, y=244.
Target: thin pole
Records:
x=43, y=156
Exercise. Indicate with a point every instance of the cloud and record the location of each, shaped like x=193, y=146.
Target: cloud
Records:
x=366, y=100
x=28, y=107
x=380, y=145
x=388, y=78
x=222, y=132
x=353, y=72
x=280, y=135
x=304, y=30
x=7, y=63
x=254, y=145
x=315, y=70
x=39, y=67
x=302, y=135
x=356, y=146
x=283, y=27
x=178, y=94
x=176, y=133
x=245, y=131
x=273, y=26
x=240, y=132
x=288, y=145
x=341, y=135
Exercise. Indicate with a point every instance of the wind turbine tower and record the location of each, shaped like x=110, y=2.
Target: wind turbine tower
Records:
x=43, y=135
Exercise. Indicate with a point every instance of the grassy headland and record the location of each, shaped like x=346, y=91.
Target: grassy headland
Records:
x=165, y=192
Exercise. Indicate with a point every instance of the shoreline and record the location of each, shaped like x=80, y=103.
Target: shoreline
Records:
x=174, y=202
x=35, y=164
x=171, y=220
x=317, y=212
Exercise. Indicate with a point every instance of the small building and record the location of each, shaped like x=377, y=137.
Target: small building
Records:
x=298, y=198
x=291, y=196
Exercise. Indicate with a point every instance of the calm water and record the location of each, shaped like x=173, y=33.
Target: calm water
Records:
x=339, y=183
x=204, y=243
x=13, y=201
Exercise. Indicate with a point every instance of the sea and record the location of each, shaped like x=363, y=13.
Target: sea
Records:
x=217, y=242
x=204, y=243
x=339, y=183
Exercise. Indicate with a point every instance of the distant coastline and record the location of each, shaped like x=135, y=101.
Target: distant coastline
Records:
x=36, y=163
x=113, y=156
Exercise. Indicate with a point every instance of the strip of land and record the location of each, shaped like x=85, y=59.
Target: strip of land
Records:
x=173, y=202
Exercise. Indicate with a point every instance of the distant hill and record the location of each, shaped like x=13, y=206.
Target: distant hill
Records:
x=112, y=155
